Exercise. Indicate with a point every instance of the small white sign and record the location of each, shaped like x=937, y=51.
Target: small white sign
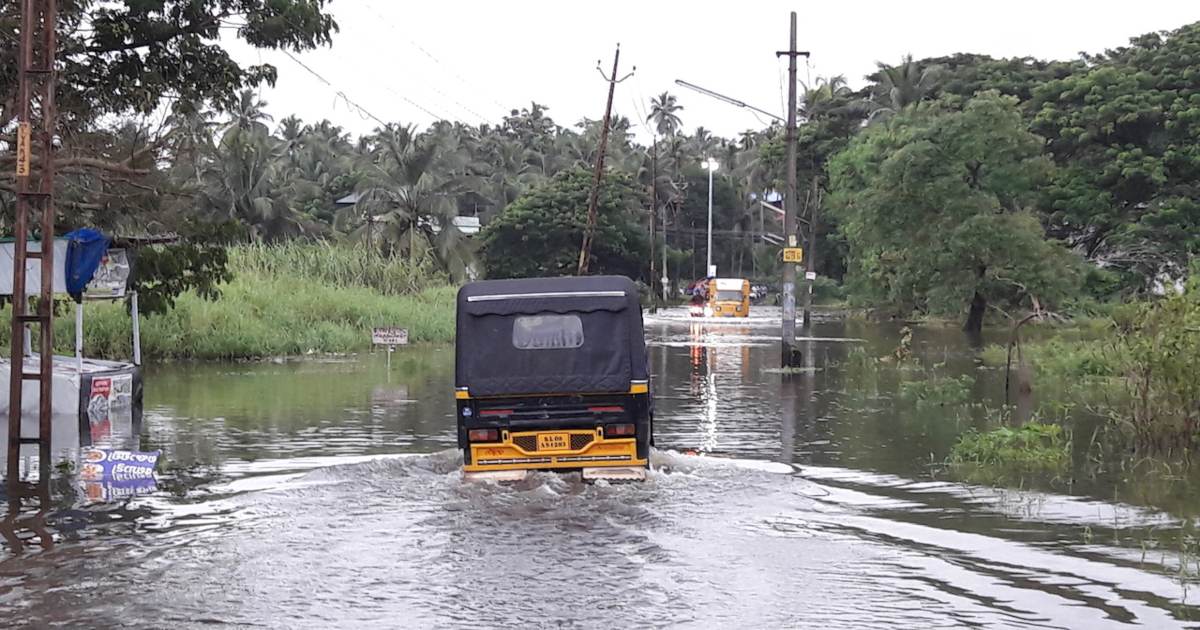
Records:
x=810, y=275
x=389, y=336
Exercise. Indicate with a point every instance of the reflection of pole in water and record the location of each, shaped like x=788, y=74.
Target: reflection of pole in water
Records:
x=14, y=521
x=804, y=386
x=808, y=384
x=709, y=426
x=787, y=419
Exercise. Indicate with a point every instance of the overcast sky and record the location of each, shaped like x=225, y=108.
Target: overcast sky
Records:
x=414, y=62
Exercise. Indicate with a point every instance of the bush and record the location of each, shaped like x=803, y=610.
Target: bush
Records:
x=1158, y=352
x=1058, y=358
x=1032, y=447
x=937, y=390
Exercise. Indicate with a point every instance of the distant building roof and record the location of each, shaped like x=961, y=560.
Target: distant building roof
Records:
x=467, y=225
x=348, y=200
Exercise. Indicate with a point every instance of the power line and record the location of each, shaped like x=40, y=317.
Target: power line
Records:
x=343, y=94
x=437, y=61
x=727, y=99
x=782, y=98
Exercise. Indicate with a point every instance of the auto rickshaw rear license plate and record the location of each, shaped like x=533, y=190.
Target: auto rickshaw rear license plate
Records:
x=553, y=441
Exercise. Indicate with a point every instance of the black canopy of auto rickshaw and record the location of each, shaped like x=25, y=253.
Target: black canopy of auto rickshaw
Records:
x=604, y=348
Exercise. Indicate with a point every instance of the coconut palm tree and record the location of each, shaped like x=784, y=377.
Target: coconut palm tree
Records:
x=412, y=203
x=823, y=96
x=663, y=114
x=902, y=85
x=243, y=182
x=248, y=111
x=190, y=140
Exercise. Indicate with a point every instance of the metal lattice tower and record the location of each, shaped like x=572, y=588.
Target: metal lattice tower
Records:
x=35, y=195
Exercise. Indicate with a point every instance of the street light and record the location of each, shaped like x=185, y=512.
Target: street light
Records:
x=711, y=166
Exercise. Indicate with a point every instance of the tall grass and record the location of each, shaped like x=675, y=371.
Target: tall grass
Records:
x=337, y=265
x=282, y=301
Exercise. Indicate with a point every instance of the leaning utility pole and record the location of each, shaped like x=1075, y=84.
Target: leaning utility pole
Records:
x=585, y=252
x=35, y=103
x=788, y=341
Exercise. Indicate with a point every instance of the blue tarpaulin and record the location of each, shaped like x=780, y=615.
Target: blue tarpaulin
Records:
x=85, y=249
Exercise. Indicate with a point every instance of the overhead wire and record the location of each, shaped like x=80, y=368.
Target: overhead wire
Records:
x=349, y=101
x=344, y=96
x=782, y=98
x=439, y=62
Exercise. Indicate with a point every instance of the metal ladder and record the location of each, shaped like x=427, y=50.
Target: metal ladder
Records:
x=35, y=193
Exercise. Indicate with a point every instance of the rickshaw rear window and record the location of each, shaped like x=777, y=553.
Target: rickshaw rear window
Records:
x=545, y=332
x=729, y=296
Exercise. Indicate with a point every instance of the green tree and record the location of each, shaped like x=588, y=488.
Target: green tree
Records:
x=663, y=113
x=901, y=85
x=117, y=60
x=408, y=199
x=934, y=208
x=966, y=75
x=124, y=56
x=539, y=233
x=1126, y=135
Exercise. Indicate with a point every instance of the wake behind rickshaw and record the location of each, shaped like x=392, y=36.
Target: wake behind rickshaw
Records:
x=551, y=374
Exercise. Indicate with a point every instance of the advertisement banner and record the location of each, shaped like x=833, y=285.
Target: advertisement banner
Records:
x=115, y=466
x=108, y=491
x=111, y=278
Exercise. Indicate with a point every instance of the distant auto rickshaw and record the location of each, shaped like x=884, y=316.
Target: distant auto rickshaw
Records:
x=551, y=374
x=728, y=297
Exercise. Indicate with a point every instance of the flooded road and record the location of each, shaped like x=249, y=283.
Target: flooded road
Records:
x=326, y=493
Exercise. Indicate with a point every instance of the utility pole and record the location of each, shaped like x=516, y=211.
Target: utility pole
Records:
x=585, y=251
x=810, y=253
x=666, y=280
x=653, y=208
x=788, y=342
x=35, y=86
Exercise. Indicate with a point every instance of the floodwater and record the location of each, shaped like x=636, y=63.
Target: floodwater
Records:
x=326, y=493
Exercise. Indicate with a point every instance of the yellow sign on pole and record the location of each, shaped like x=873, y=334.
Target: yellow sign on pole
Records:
x=23, y=142
x=793, y=254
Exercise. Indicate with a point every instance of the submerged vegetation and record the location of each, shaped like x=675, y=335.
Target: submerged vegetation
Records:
x=936, y=390
x=1033, y=447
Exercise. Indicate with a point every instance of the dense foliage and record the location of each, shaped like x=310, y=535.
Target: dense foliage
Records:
x=1126, y=133
x=946, y=186
x=539, y=233
x=934, y=204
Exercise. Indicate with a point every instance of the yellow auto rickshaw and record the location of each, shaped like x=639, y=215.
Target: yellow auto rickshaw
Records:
x=728, y=297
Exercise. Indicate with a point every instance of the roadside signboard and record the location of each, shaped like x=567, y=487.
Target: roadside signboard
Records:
x=810, y=275
x=111, y=277
x=793, y=254
x=389, y=336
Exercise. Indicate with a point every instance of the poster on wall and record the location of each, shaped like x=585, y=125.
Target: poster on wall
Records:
x=111, y=278
x=98, y=408
x=110, y=409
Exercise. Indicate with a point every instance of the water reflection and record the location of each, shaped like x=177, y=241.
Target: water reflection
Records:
x=330, y=492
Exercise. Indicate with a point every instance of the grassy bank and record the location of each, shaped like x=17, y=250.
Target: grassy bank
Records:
x=1136, y=369
x=284, y=300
